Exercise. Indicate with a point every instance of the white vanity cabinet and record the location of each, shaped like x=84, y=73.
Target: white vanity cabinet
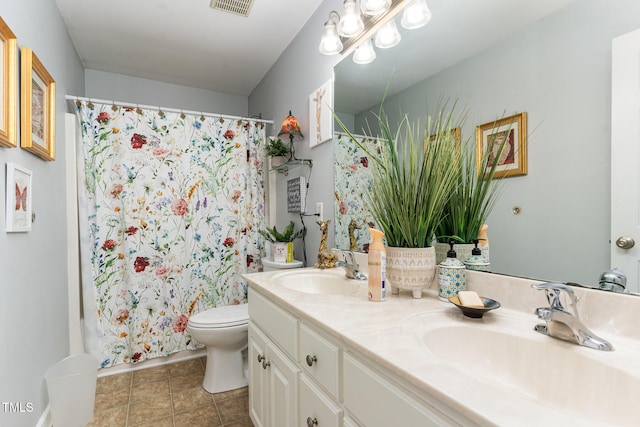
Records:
x=302, y=375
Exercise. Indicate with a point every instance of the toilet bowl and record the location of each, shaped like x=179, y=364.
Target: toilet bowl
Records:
x=224, y=331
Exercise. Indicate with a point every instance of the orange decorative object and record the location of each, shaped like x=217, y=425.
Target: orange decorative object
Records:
x=291, y=127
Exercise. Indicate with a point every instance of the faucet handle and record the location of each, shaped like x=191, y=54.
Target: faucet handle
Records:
x=553, y=290
x=348, y=256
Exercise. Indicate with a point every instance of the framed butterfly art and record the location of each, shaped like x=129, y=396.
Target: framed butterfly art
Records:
x=19, y=189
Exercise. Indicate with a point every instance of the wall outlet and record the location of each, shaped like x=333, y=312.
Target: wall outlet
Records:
x=320, y=211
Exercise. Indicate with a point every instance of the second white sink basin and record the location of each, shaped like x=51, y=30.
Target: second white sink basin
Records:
x=322, y=282
x=593, y=385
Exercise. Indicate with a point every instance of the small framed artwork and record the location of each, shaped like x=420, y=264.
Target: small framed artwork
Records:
x=512, y=159
x=455, y=133
x=19, y=189
x=8, y=87
x=320, y=115
x=38, y=103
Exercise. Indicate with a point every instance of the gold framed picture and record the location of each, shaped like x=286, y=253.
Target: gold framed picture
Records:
x=38, y=103
x=8, y=87
x=512, y=160
x=455, y=133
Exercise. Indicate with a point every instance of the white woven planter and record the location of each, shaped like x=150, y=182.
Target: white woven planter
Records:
x=411, y=269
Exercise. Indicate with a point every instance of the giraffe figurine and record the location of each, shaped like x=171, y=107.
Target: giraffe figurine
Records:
x=325, y=258
x=353, y=243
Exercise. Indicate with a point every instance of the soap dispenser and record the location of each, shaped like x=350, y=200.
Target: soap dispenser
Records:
x=452, y=275
x=476, y=261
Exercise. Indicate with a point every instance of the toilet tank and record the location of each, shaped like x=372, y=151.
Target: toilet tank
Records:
x=271, y=265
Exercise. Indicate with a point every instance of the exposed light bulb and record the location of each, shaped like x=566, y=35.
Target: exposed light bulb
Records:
x=330, y=44
x=364, y=54
x=350, y=21
x=374, y=7
x=388, y=35
x=416, y=14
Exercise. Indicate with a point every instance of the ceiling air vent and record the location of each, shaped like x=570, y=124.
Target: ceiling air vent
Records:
x=239, y=7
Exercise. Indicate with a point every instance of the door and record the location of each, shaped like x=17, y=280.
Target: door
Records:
x=625, y=160
x=283, y=390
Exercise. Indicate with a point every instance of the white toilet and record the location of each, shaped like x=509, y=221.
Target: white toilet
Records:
x=224, y=330
x=271, y=265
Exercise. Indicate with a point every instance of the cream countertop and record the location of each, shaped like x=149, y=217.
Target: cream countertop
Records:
x=391, y=333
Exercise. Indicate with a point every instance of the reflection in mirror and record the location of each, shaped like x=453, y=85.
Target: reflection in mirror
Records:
x=550, y=59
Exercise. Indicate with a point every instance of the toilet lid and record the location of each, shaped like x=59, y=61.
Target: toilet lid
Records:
x=221, y=317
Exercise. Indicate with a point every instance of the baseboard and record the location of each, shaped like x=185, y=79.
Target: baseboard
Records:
x=176, y=357
x=45, y=419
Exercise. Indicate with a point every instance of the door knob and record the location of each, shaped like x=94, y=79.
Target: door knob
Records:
x=625, y=242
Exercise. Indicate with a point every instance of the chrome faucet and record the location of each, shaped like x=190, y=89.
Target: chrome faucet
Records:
x=566, y=324
x=350, y=265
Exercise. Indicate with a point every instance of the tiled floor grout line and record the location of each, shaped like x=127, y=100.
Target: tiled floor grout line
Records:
x=122, y=399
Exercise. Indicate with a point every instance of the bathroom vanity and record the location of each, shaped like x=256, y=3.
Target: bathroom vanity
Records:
x=321, y=354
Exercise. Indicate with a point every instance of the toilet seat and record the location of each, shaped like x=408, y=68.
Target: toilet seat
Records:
x=221, y=317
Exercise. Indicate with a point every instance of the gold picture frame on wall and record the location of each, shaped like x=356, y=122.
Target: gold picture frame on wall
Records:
x=513, y=158
x=8, y=87
x=455, y=133
x=38, y=102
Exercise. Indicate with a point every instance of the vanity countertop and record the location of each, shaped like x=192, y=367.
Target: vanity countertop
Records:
x=392, y=334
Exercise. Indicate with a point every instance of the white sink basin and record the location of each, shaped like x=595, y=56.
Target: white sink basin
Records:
x=501, y=355
x=322, y=282
x=593, y=385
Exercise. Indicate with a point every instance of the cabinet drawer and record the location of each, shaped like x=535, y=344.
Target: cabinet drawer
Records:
x=320, y=359
x=374, y=401
x=280, y=326
x=316, y=408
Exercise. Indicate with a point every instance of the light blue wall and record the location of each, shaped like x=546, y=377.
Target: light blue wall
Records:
x=559, y=72
x=33, y=266
x=118, y=87
x=299, y=71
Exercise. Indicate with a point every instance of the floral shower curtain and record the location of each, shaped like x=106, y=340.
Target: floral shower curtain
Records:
x=173, y=204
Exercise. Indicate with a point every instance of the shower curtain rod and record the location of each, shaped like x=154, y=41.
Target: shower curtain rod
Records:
x=171, y=110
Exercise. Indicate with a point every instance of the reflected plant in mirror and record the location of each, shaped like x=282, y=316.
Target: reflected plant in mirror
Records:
x=545, y=59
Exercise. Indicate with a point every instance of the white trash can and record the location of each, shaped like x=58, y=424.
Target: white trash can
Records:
x=72, y=390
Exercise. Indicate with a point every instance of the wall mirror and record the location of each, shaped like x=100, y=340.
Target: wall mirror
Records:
x=550, y=59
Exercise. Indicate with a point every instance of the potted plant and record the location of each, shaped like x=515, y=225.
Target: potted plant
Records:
x=472, y=199
x=278, y=150
x=283, y=242
x=411, y=185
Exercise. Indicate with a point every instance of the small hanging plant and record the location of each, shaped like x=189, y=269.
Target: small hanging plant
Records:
x=277, y=147
x=288, y=235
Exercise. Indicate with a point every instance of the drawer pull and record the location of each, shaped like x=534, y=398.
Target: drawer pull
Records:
x=260, y=358
x=311, y=360
x=265, y=364
x=311, y=422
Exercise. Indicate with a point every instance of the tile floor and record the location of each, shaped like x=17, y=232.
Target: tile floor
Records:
x=167, y=396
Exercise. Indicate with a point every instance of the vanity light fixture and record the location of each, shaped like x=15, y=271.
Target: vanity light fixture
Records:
x=350, y=22
x=330, y=44
x=416, y=14
x=291, y=127
x=388, y=36
x=355, y=27
x=364, y=53
x=374, y=7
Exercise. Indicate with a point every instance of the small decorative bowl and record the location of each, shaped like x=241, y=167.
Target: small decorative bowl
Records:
x=475, y=312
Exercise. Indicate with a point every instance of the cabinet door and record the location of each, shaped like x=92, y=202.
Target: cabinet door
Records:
x=257, y=377
x=283, y=389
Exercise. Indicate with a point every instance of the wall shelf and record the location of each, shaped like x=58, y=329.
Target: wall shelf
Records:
x=292, y=163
